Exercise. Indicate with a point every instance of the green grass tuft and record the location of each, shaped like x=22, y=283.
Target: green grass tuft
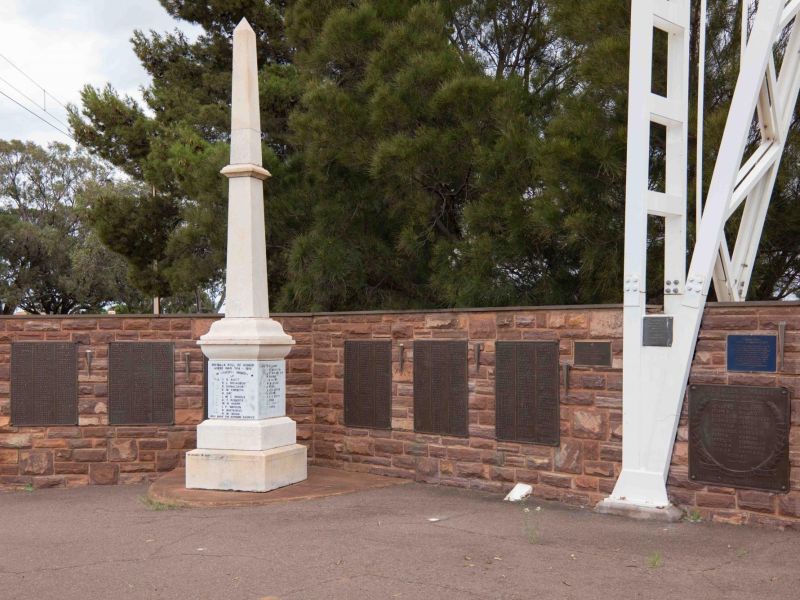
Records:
x=694, y=516
x=655, y=560
x=151, y=504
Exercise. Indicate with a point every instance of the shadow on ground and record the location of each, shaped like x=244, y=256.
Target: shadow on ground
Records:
x=408, y=542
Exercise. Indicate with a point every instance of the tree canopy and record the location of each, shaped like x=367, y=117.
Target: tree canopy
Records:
x=50, y=260
x=424, y=153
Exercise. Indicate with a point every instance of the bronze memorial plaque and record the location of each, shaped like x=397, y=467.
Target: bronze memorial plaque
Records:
x=440, y=387
x=526, y=391
x=657, y=331
x=739, y=436
x=141, y=383
x=44, y=383
x=592, y=354
x=368, y=384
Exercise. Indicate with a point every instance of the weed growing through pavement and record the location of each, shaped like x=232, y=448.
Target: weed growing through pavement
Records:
x=694, y=516
x=655, y=560
x=27, y=488
x=151, y=504
x=529, y=516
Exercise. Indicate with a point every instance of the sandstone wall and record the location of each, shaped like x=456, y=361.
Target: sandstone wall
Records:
x=581, y=471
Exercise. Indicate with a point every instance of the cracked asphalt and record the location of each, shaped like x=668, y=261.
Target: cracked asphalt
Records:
x=408, y=542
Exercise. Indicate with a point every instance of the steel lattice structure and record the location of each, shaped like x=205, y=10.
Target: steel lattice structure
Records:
x=655, y=377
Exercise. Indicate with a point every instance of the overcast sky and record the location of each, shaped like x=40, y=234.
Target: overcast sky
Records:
x=63, y=45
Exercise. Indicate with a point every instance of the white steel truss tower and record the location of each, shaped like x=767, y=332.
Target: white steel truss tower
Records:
x=656, y=370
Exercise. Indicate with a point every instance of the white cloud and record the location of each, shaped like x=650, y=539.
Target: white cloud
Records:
x=65, y=44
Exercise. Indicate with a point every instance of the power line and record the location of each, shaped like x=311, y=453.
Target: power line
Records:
x=32, y=80
x=46, y=93
x=29, y=99
x=38, y=116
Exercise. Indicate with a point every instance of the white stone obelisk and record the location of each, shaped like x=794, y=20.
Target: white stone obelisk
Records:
x=248, y=443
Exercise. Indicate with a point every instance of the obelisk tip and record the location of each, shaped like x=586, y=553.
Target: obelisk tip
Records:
x=243, y=26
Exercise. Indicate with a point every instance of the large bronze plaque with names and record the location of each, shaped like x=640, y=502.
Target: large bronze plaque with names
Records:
x=593, y=354
x=368, y=384
x=141, y=383
x=739, y=436
x=526, y=391
x=44, y=383
x=440, y=387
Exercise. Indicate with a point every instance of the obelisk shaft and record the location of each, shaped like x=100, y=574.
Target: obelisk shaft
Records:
x=246, y=275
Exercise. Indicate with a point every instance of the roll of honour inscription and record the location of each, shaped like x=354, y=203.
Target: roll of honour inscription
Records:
x=246, y=389
x=739, y=436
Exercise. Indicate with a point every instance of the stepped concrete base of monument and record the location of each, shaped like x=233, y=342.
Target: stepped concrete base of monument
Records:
x=669, y=513
x=246, y=470
x=263, y=434
x=322, y=482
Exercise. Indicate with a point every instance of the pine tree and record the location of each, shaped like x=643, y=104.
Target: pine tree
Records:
x=174, y=147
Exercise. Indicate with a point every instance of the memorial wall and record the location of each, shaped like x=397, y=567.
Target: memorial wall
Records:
x=475, y=398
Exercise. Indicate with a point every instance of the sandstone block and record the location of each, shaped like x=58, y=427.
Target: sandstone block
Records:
x=103, y=474
x=589, y=424
x=36, y=462
x=122, y=450
x=568, y=457
x=15, y=440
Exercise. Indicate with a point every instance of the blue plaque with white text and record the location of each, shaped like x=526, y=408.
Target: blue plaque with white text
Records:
x=752, y=353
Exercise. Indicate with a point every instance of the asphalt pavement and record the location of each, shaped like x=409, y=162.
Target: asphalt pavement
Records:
x=410, y=542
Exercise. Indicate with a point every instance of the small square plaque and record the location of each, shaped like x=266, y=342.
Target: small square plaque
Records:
x=246, y=389
x=657, y=331
x=748, y=353
x=592, y=354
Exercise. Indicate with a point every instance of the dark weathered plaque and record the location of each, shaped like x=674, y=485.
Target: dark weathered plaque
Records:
x=440, y=387
x=141, y=384
x=752, y=353
x=526, y=391
x=657, y=331
x=739, y=436
x=44, y=383
x=368, y=384
x=593, y=354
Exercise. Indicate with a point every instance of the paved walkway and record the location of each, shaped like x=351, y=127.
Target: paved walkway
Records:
x=103, y=542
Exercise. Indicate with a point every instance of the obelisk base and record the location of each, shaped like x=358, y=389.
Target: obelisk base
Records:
x=246, y=470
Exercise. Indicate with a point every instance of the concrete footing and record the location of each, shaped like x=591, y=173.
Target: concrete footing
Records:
x=322, y=482
x=246, y=470
x=667, y=514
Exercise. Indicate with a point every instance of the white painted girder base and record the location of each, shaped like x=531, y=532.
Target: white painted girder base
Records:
x=246, y=470
x=632, y=510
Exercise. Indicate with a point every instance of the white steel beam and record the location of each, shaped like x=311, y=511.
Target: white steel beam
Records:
x=756, y=179
x=654, y=378
x=752, y=177
x=789, y=13
x=642, y=478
